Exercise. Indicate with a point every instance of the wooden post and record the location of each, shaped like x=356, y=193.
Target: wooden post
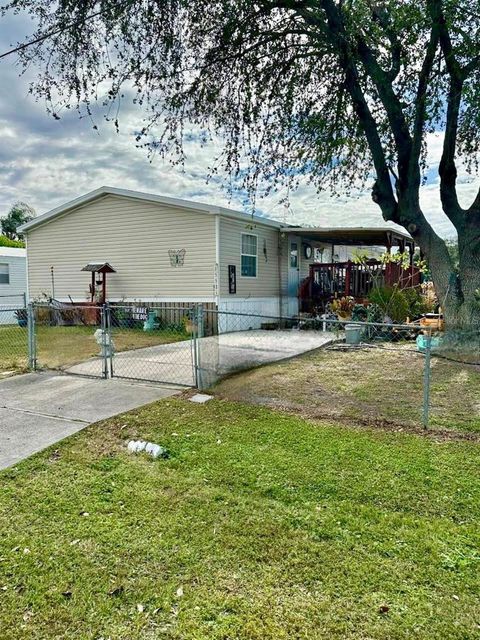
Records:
x=310, y=287
x=347, y=278
x=411, y=250
x=104, y=287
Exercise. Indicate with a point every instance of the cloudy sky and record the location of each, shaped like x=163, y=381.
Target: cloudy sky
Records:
x=46, y=162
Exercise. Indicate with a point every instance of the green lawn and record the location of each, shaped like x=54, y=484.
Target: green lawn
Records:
x=261, y=525
x=60, y=347
x=13, y=348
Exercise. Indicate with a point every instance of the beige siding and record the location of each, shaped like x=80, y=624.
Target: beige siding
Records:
x=284, y=262
x=134, y=237
x=267, y=281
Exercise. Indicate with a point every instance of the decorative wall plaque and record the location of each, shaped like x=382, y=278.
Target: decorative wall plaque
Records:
x=177, y=257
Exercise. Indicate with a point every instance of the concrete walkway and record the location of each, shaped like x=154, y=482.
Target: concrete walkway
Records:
x=39, y=409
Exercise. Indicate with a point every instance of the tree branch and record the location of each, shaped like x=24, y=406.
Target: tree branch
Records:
x=382, y=192
x=447, y=169
x=421, y=99
x=380, y=14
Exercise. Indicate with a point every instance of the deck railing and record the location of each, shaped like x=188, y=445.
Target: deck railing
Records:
x=338, y=279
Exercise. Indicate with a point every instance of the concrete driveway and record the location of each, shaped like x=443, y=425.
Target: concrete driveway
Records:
x=39, y=409
x=218, y=355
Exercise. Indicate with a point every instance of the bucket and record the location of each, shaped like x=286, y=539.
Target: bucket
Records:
x=353, y=333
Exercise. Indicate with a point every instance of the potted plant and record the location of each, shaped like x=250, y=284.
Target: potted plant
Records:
x=22, y=317
x=343, y=307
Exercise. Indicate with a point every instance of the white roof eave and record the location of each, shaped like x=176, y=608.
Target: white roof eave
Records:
x=148, y=197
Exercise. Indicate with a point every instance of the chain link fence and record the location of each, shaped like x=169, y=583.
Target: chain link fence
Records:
x=362, y=372
x=14, y=340
x=123, y=341
x=69, y=338
x=455, y=379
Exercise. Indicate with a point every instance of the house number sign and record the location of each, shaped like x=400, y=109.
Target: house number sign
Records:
x=232, y=278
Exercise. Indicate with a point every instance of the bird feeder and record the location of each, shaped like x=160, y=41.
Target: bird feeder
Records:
x=99, y=272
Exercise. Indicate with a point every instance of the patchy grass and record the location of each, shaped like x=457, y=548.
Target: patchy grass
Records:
x=65, y=346
x=383, y=385
x=13, y=348
x=259, y=526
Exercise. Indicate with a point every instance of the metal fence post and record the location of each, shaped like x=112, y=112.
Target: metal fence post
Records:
x=426, y=379
x=32, y=343
x=103, y=325
x=194, y=342
x=108, y=325
x=199, y=335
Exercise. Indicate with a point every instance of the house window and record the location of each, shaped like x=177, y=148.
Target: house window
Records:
x=4, y=274
x=294, y=255
x=249, y=255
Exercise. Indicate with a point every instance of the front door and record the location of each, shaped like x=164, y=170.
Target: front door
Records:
x=293, y=258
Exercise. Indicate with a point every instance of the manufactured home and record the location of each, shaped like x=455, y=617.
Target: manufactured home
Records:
x=13, y=282
x=119, y=245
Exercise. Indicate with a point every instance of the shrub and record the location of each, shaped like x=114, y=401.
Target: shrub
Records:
x=359, y=313
x=392, y=301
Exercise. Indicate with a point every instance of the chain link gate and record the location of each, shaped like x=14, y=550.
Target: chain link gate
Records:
x=154, y=344
x=151, y=344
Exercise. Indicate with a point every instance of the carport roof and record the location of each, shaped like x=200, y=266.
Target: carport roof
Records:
x=368, y=236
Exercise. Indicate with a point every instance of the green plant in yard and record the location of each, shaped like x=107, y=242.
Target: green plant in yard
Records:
x=122, y=317
x=359, y=313
x=343, y=306
x=392, y=301
x=418, y=303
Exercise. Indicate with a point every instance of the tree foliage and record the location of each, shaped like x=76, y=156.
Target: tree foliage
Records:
x=343, y=92
x=19, y=214
x=15, y=244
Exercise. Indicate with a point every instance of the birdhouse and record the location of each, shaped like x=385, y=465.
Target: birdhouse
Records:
x=99, y=272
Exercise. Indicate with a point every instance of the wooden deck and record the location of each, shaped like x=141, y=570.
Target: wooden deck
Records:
x=337, y=279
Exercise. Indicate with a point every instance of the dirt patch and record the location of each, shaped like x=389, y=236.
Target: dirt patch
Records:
x=371, y=387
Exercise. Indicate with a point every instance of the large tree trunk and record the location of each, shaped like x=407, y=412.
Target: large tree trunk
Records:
x=468, y=310
x=458, y=289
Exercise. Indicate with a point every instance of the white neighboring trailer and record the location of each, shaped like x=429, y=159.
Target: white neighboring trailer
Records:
x=13, y=282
